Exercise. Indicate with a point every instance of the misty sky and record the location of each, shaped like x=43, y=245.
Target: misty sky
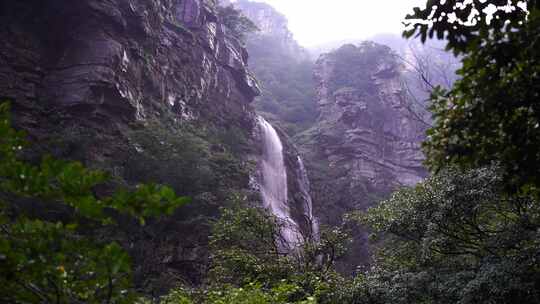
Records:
x=315, y=22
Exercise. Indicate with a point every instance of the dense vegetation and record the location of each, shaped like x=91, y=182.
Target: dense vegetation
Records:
x=491, y=116
x=53, y=259
x=239, y=25
x=468, y=234
x=288, y=89
x=352, y=62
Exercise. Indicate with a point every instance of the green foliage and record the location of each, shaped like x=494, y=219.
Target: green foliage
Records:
x=456, y=238
x=236, y=22
x=245, y=246
x=250, y=265
x=177, y=296
x=352, y=62
x=288, y=87
x=53, y=261
x=453, y=21
x=254, y=294
x=247, y=251
x=49, y=263
x=192, y=158
x=492, y=114
x=250, y=294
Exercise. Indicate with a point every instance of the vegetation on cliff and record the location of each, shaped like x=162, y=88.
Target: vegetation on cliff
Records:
x=239, y=25
x=283, y=69
x=288, y=89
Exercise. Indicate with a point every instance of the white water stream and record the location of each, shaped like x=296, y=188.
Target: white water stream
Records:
x=274, y=185
x=304, y=189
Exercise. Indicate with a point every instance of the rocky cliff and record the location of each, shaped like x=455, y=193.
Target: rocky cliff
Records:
x=137, y=57
x=365, y=143
x=271, y=23
x=151, y=91
x=365, y=124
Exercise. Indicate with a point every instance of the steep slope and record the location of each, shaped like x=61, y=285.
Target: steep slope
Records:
x=151, y=91
x=365, y=143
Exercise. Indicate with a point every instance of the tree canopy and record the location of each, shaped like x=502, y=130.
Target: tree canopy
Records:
x=456, y=238
x=492, y=114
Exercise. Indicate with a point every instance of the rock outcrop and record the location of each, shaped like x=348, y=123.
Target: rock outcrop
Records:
x=366, y=143
x=137, y=57
x=272, y=25
x=365, y=123
x=151, y=91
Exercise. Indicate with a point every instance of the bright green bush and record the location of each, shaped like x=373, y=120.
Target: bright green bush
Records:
x=49, y=260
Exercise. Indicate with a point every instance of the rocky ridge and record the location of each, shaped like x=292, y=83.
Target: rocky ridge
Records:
x=366, y=143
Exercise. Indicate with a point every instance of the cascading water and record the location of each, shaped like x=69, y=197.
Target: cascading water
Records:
x=274, y=184
x=304, y=189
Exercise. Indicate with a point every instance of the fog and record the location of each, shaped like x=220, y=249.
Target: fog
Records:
x=316, y=22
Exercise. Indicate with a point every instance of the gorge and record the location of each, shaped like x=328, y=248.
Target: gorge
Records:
x=347, y=111
x=166, y=92
x=195, y=152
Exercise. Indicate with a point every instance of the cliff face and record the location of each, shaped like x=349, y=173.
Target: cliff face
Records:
x=136, y=57
x=365, y=125
x=151, y=91
x=366, y=143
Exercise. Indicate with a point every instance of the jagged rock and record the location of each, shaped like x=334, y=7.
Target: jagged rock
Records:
x=365, y=143
x=128, y=55
x=369, y=116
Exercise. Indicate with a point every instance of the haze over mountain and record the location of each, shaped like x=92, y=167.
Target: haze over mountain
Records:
x=316, y=22
x=347, y=107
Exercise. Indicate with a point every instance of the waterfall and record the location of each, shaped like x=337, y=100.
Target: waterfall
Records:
x=304, y=189
x=274, y=185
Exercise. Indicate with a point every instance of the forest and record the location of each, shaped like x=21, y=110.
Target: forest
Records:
x=188, y=151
